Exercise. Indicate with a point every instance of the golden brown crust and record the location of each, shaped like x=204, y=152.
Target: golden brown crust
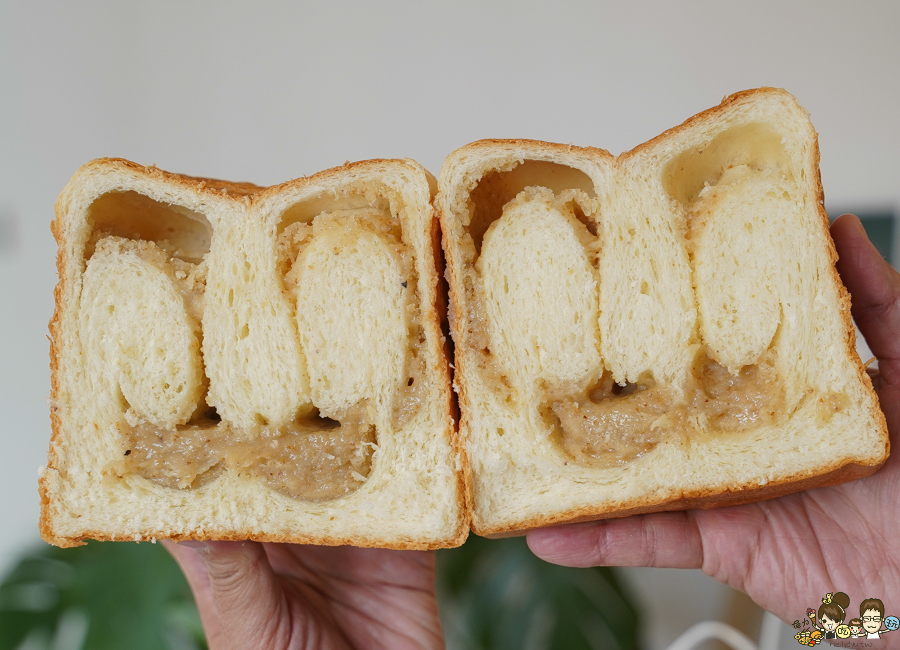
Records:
x=328, y=175
x=150, y=536
x=709, y=115
x=702, y=499
x=46, y=527
x=445, y=354
x=44, y=524
x=843, y=294
x=459, y=387
x=533, y=147
x=194, y=183
x=452, y=405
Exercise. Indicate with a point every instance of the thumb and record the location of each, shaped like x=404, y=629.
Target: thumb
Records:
x=875, y=289
x=250, y=603
x=662, y=539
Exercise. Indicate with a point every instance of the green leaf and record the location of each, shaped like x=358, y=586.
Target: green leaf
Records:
x=101, y=596
x=496, y=595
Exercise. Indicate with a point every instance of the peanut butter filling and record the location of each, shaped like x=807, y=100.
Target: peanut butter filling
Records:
x=733, y=402
x=610, y=424
x=830, y=404
x=311, y=458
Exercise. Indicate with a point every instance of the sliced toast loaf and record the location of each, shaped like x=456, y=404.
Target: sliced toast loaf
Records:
x=236, y=362
x=655, y=331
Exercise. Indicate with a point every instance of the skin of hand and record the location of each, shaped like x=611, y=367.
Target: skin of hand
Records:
x=291, y=596
x=787, y=552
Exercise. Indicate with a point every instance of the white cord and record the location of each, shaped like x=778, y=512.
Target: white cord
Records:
x=768, y=632
x=706, y=630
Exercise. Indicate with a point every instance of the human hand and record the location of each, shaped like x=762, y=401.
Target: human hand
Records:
x=281, y=596
x=787, y=552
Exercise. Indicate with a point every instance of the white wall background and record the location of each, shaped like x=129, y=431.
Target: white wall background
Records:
x=269, y=91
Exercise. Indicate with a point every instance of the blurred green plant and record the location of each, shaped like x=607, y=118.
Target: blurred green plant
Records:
x=101, y=596
x=494, y=595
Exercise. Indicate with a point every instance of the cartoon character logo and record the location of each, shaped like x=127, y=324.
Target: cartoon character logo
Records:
x=828, y=622
x=871, y=612
x=832, y=613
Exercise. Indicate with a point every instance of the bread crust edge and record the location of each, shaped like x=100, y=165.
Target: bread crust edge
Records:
x=701, y=499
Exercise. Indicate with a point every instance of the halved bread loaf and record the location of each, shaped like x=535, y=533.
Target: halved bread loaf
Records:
x=235, y=362
x=657, y=331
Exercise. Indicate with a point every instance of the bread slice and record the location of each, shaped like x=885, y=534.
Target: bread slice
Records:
x=238, y=362
x=659, y=331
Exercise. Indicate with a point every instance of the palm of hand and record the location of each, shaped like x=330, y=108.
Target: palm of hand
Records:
x=788, y=552
x=785, y=553
x=284, y=596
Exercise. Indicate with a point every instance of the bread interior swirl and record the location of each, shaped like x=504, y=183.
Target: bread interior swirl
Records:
x=351, y=285
x=549, y=269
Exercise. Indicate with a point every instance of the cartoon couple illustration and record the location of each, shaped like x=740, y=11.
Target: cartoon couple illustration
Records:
x=831, y=615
